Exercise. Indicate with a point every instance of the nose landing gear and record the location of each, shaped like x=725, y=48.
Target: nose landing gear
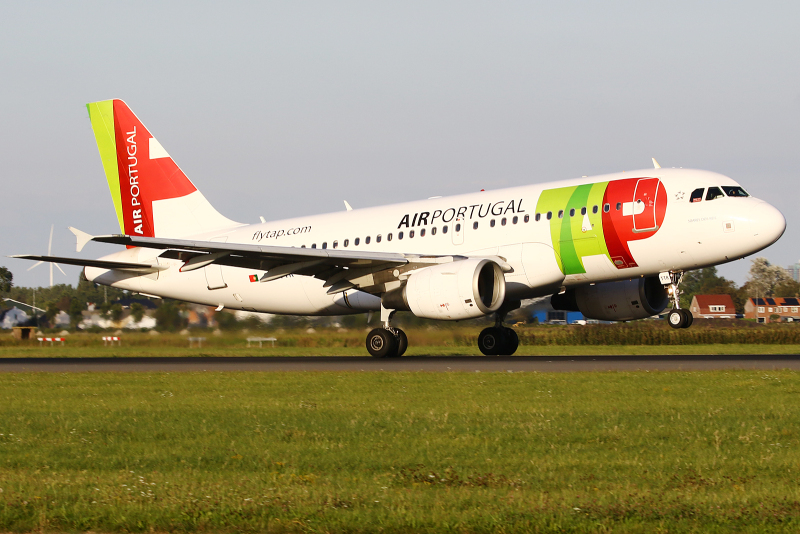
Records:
x=677, y=318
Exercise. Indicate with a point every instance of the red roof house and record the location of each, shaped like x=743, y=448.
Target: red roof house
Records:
x=713, y=306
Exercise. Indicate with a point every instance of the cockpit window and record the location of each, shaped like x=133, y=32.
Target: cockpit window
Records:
x=714, y=193
x=697, y=195
x=734, y=191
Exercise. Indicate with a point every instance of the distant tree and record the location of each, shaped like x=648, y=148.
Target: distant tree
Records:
x=704, y=282
x=6, y=280
x=227, y=321
x=137, y=311
x=764, y=278
x=52, y=311
x=168, y=316
x=787, y=288
x=75, y=312
x=115, y=312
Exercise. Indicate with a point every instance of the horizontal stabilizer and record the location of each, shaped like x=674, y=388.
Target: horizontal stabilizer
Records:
x=102, y=264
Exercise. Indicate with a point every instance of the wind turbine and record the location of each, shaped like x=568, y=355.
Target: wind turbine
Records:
x=49, y=250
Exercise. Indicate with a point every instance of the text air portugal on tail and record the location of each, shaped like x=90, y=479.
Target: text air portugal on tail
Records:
x=152, y=196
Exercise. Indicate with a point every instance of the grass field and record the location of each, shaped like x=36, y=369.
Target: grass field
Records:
x=650, y=337
x=400, y=452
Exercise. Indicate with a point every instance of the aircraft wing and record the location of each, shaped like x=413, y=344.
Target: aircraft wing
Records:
x=341, y=269
x=143, y=268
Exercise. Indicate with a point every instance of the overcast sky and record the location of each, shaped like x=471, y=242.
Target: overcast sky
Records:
x=285, y=109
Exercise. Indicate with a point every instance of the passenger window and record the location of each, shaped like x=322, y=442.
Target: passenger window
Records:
x=537, y=217
x=503, y=221
x=606, y=208
x=378, y=238
x=594, y=209
x=572, y=212
x=619, y=206
x=422, y=233
x=389, y=237
x=325, y=244
x=313, y=245
x=697, y=195
x=714, y=193
x=399, y=235
x=475, y=225
x=583, y=210
x=335, y=244
x=734, y=191
x=410, y=234
x=491, y=223
x=366, y=240
x=357, y=241
x=515, y=220
x=433, y=231
x=444, y=229
x=560, y=214
x=346, y=242
x=549, y=215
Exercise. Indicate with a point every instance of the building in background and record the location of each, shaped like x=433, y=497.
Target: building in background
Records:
x=794, y=271
x=762, y=309
x=543, y=312
x=712, y=307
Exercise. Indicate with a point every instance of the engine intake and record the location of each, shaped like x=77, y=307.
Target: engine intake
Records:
x=462, y=289
x=615, y=301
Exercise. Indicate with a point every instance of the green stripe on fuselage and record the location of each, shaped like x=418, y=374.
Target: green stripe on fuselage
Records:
x=574, y=237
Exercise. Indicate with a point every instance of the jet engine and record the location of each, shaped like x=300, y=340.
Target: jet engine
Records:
x=615, y=301
x=462, y=289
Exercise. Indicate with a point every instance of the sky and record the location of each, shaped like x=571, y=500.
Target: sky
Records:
x=281, y=109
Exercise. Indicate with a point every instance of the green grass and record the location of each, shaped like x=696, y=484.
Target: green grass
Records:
x=71, y=351
x=648, y=337
x=400, y=452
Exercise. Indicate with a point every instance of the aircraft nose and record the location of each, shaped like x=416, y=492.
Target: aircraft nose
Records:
x=768, y=224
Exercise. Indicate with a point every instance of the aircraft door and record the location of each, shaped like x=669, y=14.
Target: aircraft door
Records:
x=458, y=231
x=644, y=205
x=213, y=272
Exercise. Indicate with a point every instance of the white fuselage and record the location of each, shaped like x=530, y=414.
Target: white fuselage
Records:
x=692, y=235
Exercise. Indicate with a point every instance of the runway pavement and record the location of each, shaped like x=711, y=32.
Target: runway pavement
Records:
x=516, y=364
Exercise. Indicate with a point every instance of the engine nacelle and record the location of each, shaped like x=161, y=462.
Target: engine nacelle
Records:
x=462, y=289
x=615, y=301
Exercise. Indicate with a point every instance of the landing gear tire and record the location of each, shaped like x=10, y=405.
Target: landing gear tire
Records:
x=511, y=341
x=679, y=318
x=676, y=319
x=381, y=343
x=688, y=317
x=494, y=341
x=490, y=341
x=402, y=342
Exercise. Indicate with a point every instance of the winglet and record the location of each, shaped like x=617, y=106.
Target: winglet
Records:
x=655, y=164
x=348, y=206
x=83, y=238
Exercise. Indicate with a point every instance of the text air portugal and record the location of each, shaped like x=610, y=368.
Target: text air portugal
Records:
x=142, y=179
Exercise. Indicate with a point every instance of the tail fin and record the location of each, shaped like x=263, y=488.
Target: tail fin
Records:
x=152, y=196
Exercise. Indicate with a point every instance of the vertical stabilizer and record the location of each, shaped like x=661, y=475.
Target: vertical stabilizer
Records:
x=152, y=196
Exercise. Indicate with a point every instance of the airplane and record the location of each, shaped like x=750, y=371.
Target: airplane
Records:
x=613, y=247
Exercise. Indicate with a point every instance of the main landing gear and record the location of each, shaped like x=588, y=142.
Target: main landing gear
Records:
x=677, y=317
x=387, y=341
x=498, y=339
x=390, y=342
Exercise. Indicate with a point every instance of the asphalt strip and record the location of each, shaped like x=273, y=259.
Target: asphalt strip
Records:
x=510, y=364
